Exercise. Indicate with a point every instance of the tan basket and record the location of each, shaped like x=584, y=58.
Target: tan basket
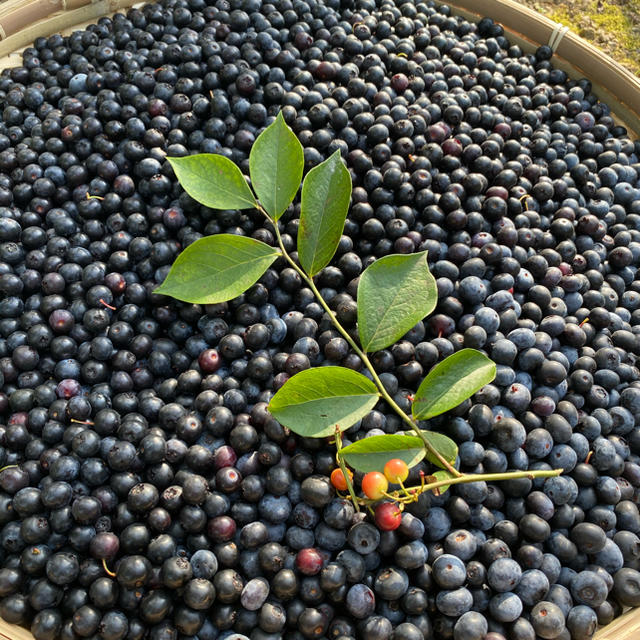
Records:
x=22, y=22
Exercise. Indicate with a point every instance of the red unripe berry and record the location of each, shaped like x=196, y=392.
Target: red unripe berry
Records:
x=498, y=192
x=68, y=388
x=221, y=528
x=115, y=282
x=61, y=321
x=388, y=516
x=309, y=561
x=21, y=418
x=104, y=545
x=209, y=361
x=338, y=480
x=396, y=470
x=452, y=147
x=374, y=485
x=399, y=82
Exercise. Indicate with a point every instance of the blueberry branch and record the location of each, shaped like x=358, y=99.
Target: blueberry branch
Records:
x=361, y=354
x=345, y=471
x=411, y=494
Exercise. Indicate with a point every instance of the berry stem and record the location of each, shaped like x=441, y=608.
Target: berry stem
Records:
x=479, y=477
x=345, y=471
x=361, y=354
x=107, y=570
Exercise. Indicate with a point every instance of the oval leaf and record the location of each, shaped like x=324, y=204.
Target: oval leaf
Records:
x=275, y=164
x=444, y=445
x=313, y=402
x=213, y=181
x=394, y=293
x=217, y=268
x=371, y=454
x=439, y=476
x=451, y=382
x=326, y=192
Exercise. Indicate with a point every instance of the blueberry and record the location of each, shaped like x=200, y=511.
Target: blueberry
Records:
x=588, y=588
x=437, y=523
x=203, y=564
x=449, y=571
x=470, y=626
x=505, y=607
x=504, y=574
x=473, y=290
x=609, y=557
x=547, y=619
x=454, y=602
x=625, y=582
x=533, y=587
x=582, y=621
x=254, y=594
x=360, y=601
x=461, y=543
x=363, y=537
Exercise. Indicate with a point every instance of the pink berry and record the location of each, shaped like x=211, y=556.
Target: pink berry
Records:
x=68, y=388
x=309, y=561
x=209, y=361
x=388, y=516
x=224, y=456
x=221, y=529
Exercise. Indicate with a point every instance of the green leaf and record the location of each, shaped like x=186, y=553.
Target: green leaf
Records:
x=394, y=293
x=451, y=382
x=438, y=476
x=371, y=454
x=326, y=192
x=213, y=181
x=313, y=402
x=217, y=268
x=444, y=445
x=275, y=164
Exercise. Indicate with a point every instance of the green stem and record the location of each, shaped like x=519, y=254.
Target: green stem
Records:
x=361, y=354
x=486, y=477
x=345, y=471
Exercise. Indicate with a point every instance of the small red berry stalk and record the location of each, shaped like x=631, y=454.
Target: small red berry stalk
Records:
x=387, y=506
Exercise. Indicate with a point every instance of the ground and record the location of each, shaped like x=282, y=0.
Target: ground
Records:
x=612, y=25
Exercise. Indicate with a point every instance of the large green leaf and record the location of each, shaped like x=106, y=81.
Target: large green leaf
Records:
x=451, y=382
x=313, y=402
x=371, y=454
x=444, y=445
x=326, y=192
x=394, y=293
x=275, y=164
x=213, y=181
x=217, y=268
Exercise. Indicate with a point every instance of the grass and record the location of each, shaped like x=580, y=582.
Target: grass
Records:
x=609, y=23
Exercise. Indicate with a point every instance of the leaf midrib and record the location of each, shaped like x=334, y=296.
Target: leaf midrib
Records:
x=367, y=395
x=210, y=270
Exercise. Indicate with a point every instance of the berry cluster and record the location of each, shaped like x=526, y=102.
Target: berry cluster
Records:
x=145, y=490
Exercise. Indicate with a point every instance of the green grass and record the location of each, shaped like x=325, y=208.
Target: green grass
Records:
x=612, y=21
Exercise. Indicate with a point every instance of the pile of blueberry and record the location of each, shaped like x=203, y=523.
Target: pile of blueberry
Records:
x=146, y=492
